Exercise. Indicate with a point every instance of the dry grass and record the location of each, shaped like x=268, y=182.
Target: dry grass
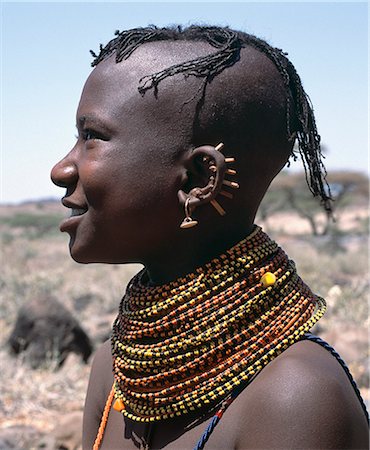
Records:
x=35, y=261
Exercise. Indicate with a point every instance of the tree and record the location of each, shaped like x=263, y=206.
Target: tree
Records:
x=290, y=192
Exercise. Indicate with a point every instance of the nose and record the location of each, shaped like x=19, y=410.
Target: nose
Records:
x=64, y=173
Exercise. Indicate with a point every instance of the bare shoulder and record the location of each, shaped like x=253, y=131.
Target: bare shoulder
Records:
x=100, y=383
x=302, y=399
x=101, y=375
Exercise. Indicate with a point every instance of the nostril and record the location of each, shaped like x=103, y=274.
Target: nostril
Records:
x=64, y=175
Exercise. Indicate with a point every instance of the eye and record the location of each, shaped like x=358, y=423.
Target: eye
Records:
x=88, y=135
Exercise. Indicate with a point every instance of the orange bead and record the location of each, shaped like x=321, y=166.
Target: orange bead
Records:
x=118, y=405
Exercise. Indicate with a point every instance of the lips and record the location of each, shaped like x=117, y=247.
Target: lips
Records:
x=77, y=211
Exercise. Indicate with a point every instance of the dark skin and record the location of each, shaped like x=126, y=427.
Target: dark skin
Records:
x=301, y=400
x=123, y=136
x=136, y=161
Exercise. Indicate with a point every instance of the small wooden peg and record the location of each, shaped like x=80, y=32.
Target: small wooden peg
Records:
x=218, y=207
x=231, y=184
x=231, y=171
x=229, y=160
x=219, y=146
x=227, y=194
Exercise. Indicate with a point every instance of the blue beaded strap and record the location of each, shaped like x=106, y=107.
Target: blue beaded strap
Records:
x=217, y=417
x=310, y=337
x=313, y=338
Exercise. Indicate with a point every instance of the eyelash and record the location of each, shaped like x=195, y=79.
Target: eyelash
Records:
x=88, y=135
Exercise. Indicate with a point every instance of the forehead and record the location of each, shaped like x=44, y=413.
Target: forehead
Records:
x=111, y=95
x=146, y=60
x=112, y=88
x=155, y=56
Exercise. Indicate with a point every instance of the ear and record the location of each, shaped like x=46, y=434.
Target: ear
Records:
x=206, y=169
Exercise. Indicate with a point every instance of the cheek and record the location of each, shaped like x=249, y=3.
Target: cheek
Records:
x=131, y=185
x=107, y=181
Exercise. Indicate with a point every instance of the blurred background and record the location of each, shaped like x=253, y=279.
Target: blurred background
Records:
x=59, y=311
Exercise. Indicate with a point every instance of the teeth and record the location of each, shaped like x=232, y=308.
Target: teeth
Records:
x=77, y=212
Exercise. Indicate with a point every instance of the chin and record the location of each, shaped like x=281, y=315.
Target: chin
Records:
x=82, y=253
x=89, y=254
x=82, y=258
x=85, y=256
x=79, y=257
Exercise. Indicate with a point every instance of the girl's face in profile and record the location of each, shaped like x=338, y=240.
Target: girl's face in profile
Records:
x=121, y=182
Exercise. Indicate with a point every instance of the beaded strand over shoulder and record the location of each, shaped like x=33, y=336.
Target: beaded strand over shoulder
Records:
x=189, y=344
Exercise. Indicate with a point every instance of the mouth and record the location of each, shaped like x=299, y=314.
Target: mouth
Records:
x=78, y=211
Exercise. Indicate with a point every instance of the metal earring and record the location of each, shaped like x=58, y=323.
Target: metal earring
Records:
x=188, y=222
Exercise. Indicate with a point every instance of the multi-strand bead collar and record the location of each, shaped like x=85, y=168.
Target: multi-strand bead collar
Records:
x=190, y=343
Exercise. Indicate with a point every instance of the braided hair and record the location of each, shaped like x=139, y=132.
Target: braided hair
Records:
x=228, y=43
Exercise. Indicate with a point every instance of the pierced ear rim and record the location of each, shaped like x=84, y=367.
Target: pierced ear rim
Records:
x=209, y=166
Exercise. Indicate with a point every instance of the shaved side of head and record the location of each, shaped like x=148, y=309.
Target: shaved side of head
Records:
x=231, y=87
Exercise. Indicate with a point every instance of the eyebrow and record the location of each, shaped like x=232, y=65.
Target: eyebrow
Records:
x=81, y=122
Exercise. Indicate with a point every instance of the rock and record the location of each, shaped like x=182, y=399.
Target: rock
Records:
x=45, y=330
x=100, y=327
x=82, y=302
x=18, y=437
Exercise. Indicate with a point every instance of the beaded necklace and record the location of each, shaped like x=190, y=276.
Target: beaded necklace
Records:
x=189, y=344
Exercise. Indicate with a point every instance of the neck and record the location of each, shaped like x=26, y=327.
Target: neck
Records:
x=195, y=251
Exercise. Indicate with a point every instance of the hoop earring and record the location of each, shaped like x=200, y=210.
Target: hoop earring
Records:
x=188, y=222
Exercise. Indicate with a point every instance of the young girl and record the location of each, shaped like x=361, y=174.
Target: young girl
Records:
x=180, y=133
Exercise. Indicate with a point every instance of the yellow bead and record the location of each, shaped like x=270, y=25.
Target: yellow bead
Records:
x=268, y=279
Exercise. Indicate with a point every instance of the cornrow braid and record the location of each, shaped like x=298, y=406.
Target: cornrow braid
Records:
x=228, y=43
